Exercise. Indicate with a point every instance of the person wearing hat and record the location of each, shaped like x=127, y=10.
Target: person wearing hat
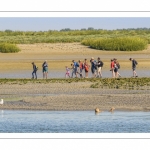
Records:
x=35, y=68
x=93, y=66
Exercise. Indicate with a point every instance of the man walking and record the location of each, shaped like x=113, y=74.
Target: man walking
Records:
x=76, y=65
x=134, y=63
x=99, y=67
x=35, y=68
x=93, y=67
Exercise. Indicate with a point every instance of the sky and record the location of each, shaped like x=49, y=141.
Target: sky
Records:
x=56, y=23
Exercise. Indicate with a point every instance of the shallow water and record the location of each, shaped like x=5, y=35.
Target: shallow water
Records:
x=73, y=122
x=61, y=74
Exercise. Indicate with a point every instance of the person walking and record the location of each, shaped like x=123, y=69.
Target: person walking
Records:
x=67, y=72
x=134, y=63
x=118, y=65
x=35, y=68
x=115, y=69
x=93, y=67
x=45, y=69
x=76, y=65
x=99, y=67
x=112, y=68
x=86, y=68
x=81, y=67
x=72, y=70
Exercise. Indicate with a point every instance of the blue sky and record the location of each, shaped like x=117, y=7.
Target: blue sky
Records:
x=54, y=23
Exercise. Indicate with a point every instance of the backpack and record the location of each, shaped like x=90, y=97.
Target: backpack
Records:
x=118, y=65
x=136, y=62
x=102, y=63
x=86, y=68
x=36, y=68
x=76, y=64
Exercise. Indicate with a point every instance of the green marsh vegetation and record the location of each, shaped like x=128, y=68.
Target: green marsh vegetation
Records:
x=117, y=40
x=106, y=83
x=69, y=36
x=8, y=48
x=117, y=43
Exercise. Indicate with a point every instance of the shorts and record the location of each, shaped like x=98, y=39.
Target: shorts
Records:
x=116, y=70
x=45, y=69
x=133, y=68
x=67, y=73
x=93, y=70
x=99, y=69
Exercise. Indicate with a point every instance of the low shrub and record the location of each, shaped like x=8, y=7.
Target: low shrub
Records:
x=8, y=48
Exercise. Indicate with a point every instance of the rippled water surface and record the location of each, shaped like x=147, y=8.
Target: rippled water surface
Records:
x=73, y=122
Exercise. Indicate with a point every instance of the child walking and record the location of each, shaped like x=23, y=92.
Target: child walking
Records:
x=67, y=72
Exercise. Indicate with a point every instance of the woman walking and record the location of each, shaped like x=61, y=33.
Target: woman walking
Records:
x=45, y=69
x=116, y=69
x=118, y=65
x=112, y=68
x=86, y=67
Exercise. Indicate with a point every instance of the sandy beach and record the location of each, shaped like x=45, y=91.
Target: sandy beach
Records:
x=68, y=96
x=71, y=96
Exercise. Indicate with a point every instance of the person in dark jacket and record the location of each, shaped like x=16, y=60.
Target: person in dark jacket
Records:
x=35, y=68
x=99, y=67
x=134, y=63
x=93, y=67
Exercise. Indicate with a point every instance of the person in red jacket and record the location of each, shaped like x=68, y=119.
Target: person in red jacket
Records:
x=112, y=66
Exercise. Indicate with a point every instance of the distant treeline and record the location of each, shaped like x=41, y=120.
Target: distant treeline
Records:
x=83, y=31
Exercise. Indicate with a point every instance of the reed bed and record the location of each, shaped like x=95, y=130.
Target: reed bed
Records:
x=117, y=44
x=8, y=48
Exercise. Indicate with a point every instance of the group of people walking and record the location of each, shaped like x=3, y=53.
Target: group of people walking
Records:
x=82, y=68
x=77, y=68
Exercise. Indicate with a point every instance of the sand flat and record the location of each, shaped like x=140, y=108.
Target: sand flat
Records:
x=71, y=96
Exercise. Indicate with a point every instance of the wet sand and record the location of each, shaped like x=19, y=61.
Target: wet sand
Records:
x=71, y=96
